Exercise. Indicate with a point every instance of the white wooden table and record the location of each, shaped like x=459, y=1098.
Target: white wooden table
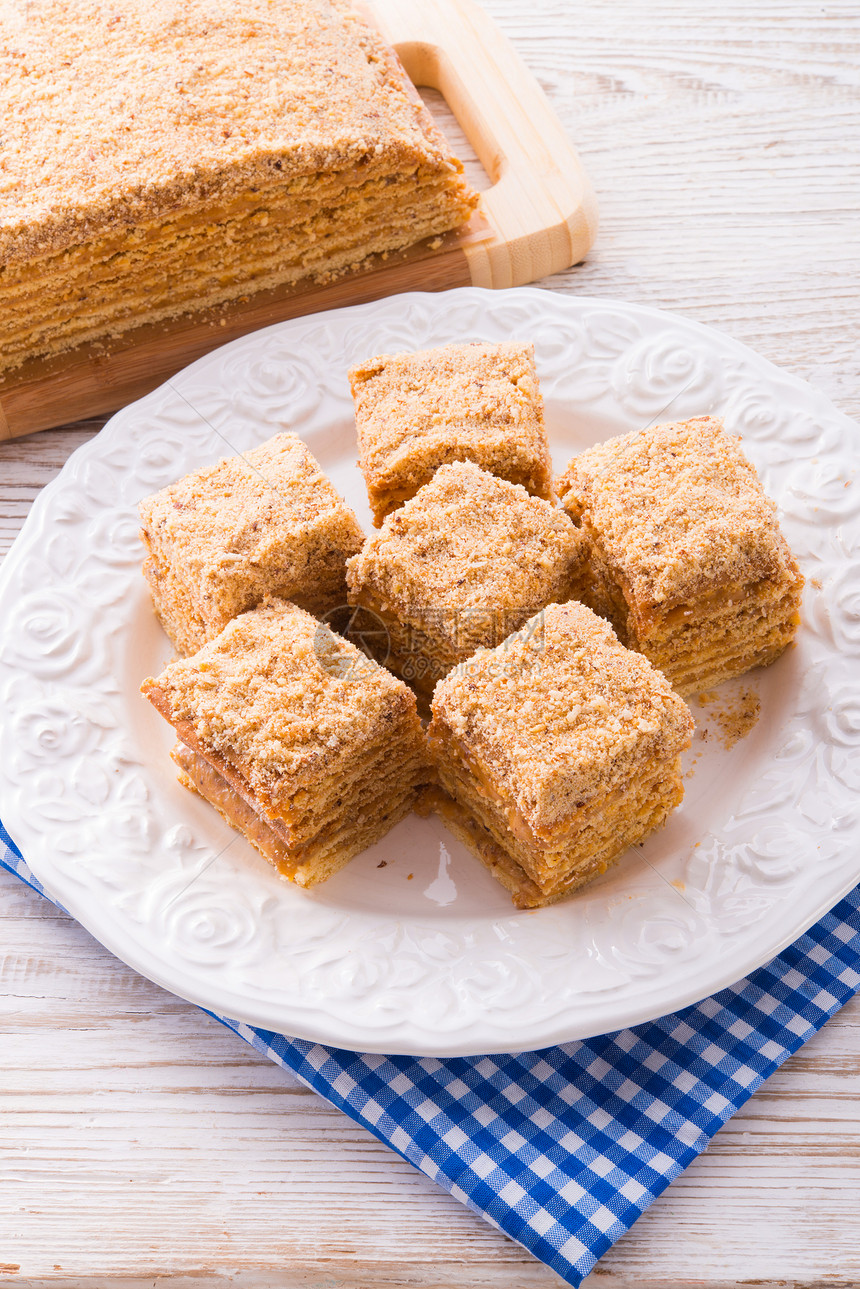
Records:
x=142, y=1144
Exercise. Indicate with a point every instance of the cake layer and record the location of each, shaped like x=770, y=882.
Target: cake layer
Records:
x=526, y=894
x=460, y=566
x=748, y=614
x=164, y=107
x=208, y=267
x=728, y=644
x=359, y=828
x=305, y=745
x=712, y=669
x=560, y=748
x=664, y=622
x=292, y=203
x=256, y=246
x=286, y=703
x=264, y=522
x=418, y=411
x=559, y=714
x=597, y=833
x=274, y=215
x=187, y=628
x=770, y=598
x=748, y=625
x=687, y=558
x=309, y=819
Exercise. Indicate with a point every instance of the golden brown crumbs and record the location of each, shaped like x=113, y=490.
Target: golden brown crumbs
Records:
x=476, y=402
x=560, y=712
x=735, y=712
x=279, y=694
x=468, y=559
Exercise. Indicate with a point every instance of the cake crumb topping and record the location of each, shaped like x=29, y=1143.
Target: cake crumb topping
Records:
x=678, y=509
x=281, y=695
x=466, y=547
x=158, y=106
x=561, y=711
x=476, y=402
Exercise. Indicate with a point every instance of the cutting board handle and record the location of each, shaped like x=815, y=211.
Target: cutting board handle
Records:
x=541, y=206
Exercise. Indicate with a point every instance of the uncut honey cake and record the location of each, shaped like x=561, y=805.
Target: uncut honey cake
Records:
x=172, y=155
x=476, y=402
x=688, y=560
x=267, y=522
x=556, y=751
x=461, y=565
x=309, y=748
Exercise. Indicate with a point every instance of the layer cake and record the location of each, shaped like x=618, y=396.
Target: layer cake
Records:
x=267, y=522
x=461, y=565
x=556, y=751
x=163, y=157
x=474, y=402
x=688, y=561
x=307, y=747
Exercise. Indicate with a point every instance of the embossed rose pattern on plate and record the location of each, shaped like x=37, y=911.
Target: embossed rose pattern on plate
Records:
x=423, y=953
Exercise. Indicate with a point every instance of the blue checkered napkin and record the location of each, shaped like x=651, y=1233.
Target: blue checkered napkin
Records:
x=563, y=1149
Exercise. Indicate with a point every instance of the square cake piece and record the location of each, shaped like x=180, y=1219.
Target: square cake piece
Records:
x=463, y=564
x=170, y=156
x=556, y=751
x=688, y=561
x=477, y=402
x=267, y=522
x=306, y=746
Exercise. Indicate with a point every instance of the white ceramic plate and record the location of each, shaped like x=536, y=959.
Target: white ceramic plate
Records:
x=426, y=954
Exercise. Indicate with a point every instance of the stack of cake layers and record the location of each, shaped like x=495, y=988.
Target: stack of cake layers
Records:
x=308, y=747
x=267, y=522
x=461, y=565
x=687, y=560
x=554, y=743
x=474, y=402
x=159, y=158
x=556, y=750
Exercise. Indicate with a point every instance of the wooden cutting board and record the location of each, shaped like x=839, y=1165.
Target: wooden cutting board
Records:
x=538, y=217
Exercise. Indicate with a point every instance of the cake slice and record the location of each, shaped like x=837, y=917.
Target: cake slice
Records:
x=476, y=402
x=556, y=751
x=267, y=522
x=167, y=157
x=688, y=561
x=463, y=564
x=307, y=747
